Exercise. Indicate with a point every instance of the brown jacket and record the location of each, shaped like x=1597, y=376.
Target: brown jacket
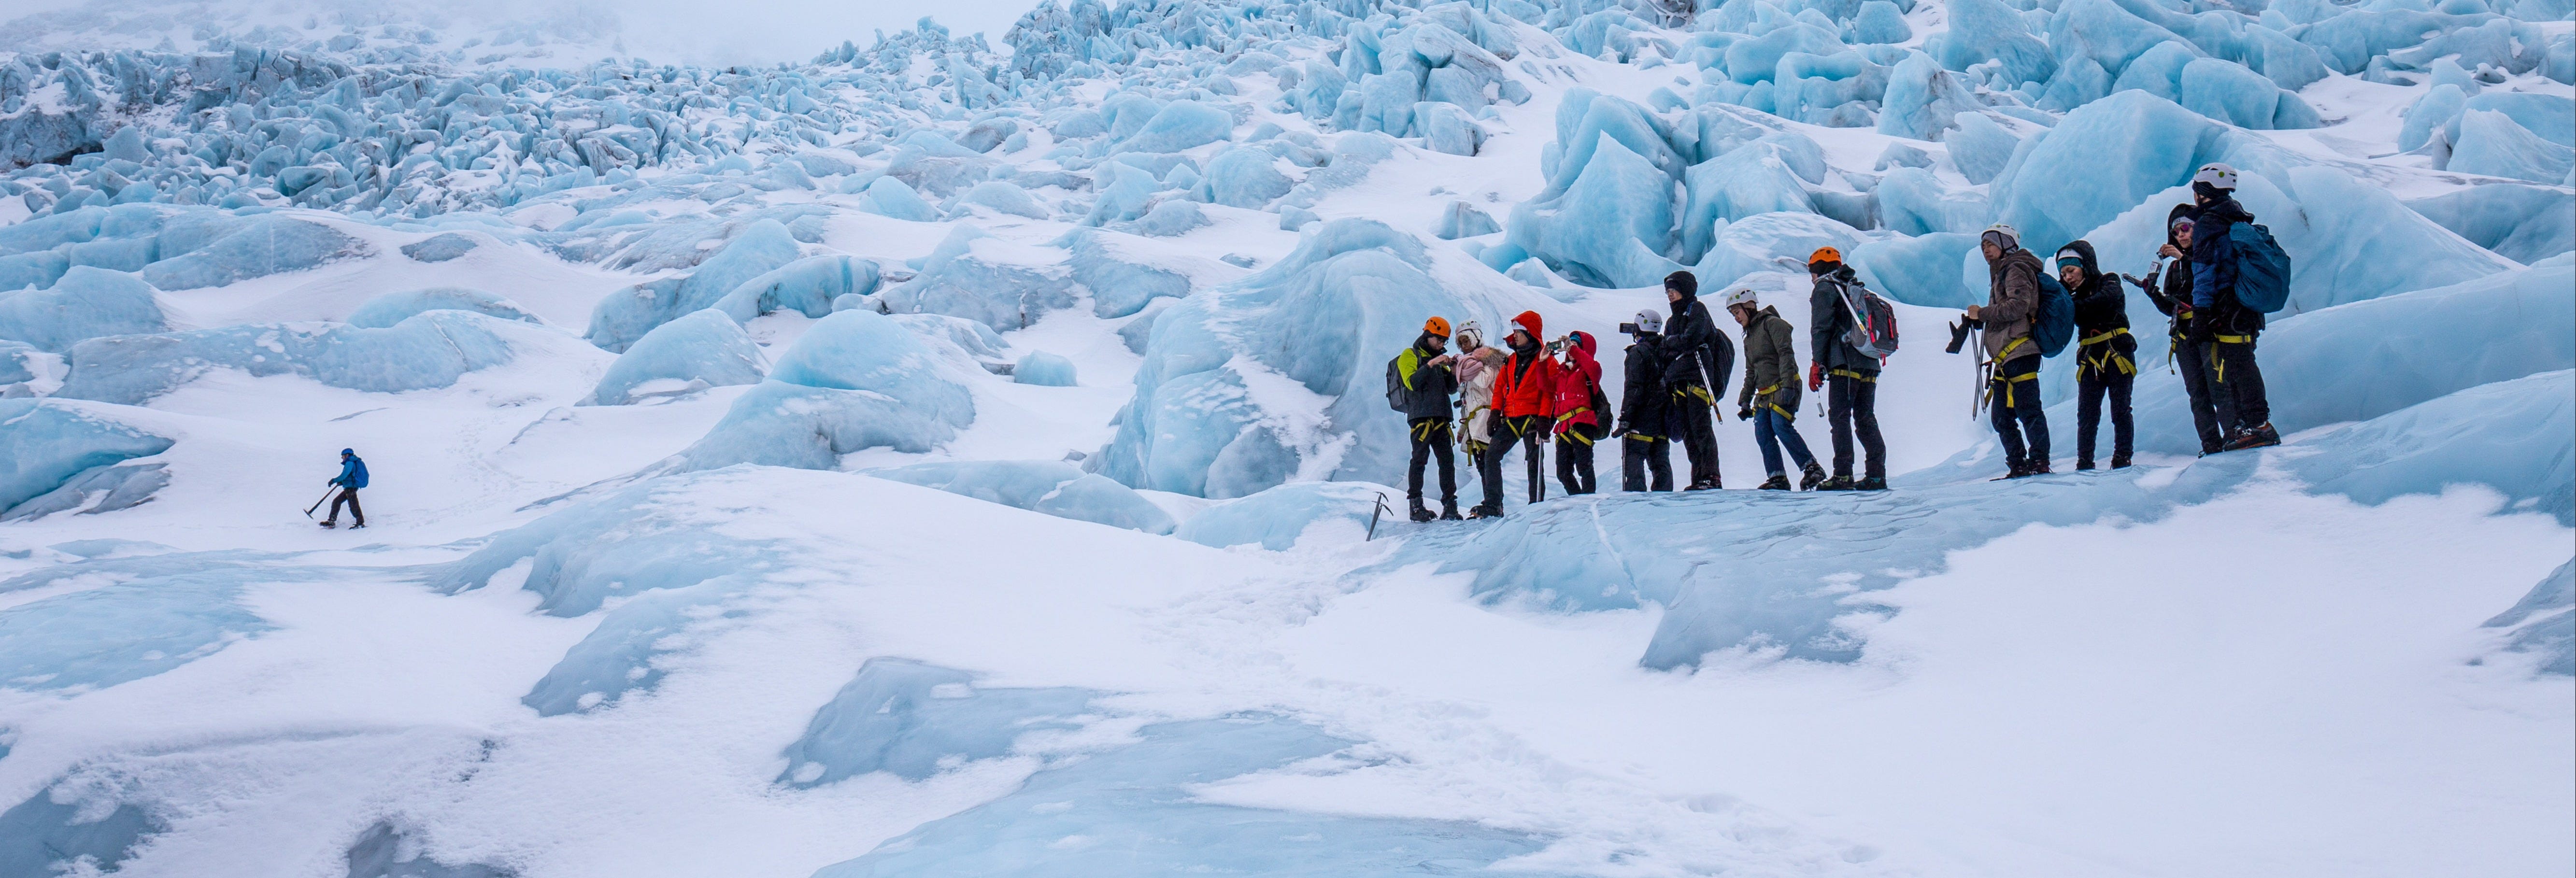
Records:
x=2012, y=299
x=1771, y=376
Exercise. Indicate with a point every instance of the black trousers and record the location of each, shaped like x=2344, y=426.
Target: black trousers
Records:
x=2014, y=409
x=2212, y=414
x=1431, y=441
x=2091, y=386
x=1697, y=434
x=1574, y=463
x=1640, y=455
x=1530, y=434
x=1851, y=407
x=350, y=497
x=2234, y=376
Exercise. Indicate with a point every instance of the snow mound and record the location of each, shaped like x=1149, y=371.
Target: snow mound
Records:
x=1051, y=487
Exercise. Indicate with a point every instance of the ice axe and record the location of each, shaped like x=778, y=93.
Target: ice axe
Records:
x=317, y=504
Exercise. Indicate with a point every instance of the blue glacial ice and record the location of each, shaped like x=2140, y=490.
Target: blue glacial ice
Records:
x=2544, y=622
x=71, y=826
x=2493, y=144
x=1000, y=284
x=806, y=286
x=626, y=315
x=1270, y=379
x=264, y=246
x=393, y=308
x=1043, y=369
x=86, y=303
x=145, y=616
x=50, y=442
x=1923, y=99
x=702, y=349
x=2516, y=436
x=440, y=247
x=384, y=851
x=1981, y=148
x=1912, y=201
x=427, y=350
x=17, y=363
x=2523, y=223
x=1244, y=177
x=914, y=720
x=862, y=350
x=1129, y=811
x=1274, y=519
x=1179, y=125
x=1051, y=487
x=1921, y=270
x=1000, y=197
x=857, y=379
x=888, y=196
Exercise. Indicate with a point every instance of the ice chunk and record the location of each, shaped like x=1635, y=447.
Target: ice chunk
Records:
x=2232, y=94
x=2522, y=223
x=430, y=349
x=982, y=278
x=1923, y=99
x=1043, y=369
x=2550, y=116
x=104, y=489
x=908, y=719
x=1914, y=202
x=153, y=613
x=1244, y=177
x=2101, y=160
x=806, y=286
x=1771, y=241
x=626, y=315
x=889, y=196
x=17, y=362
x=1610, y=227
x=1983, y=30
x=49, y=442
x=385, y=852
x=1121, y=278
x=2433, y=112
x=1902, y=155
x=2158, y=71
x=440, y=247
x=2492, y=144
x=1463, y=220
x=72, y=827
x=1880, y=22
x=1747, y=181
x=1445, y=128
x=861, y=350
x=1000, y=197
x=1275, y=518
x=268, y=245
x=781, y=424
x=392, y=308
x=617, y=657
x=641, y=537
x=1129, y=811
x=1921, y=270
x=2544, y=622
x=701, y=349
x=1981, y=147
x=1170, y=218
x=1180, y=125
x=1052, y=487
x=2516, y=436
x=87, y=303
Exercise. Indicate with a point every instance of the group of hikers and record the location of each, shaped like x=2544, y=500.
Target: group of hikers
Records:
x=1530, y=393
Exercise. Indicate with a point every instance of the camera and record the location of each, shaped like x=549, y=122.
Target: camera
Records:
x=1628, y=329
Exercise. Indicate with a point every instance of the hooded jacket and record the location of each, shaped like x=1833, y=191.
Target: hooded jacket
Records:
x=1770, y=364
x=1527, y=386
x=1415, y=386
x=2012, y=299
x=353, y=473
x=2172, y=291
x=1829, y=326
x=1576, y=379
x=1643, y=399
x=2101, y=312
x=1477, y=370
x=1695, y=353
x=2213, y=265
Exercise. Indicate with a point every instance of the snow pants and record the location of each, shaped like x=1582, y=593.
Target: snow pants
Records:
x=1640, y=455
x=2091, y=386
x=2212, y=414
x=2013, y=405
x=1697, y=434
x=1431, y=441
x=348, y=496
x=1574, y=463
x=2233, y=375
x=1851, y=407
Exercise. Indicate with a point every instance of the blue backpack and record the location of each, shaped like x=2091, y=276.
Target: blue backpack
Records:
x=2262, y=268
x=2054, y=326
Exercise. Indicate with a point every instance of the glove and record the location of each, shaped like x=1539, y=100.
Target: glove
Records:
x=2203, y=325
x=1744, y=414
x=1815, y=376
x=1621, y=433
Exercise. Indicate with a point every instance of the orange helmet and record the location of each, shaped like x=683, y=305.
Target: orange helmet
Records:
x=1438, y=326
x=1825, y=254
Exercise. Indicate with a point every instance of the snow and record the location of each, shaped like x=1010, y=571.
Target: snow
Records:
x=958, y=452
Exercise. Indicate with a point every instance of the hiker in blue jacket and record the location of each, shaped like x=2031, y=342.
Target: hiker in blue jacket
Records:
x=2224, y=327
x=353, y=475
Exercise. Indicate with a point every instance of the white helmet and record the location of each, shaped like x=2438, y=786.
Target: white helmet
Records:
x=1740, y=296
x=2217, y=175
x=1650, y=320
x=1470, y=336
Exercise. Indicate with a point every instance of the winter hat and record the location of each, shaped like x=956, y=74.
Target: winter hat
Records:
x=1741, y=296
x=1682, y=282
x=346, y=452
x=1650, y=321
x=2066, y=256
x=2002, y=236
x=1529, y=322
x=1438, y=326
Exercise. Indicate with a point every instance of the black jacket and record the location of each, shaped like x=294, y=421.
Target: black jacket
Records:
x=1643, y=398
x=1694, y=351
x=2100, y=306
x=2213, y=256
x=1829, y=326
x=2171, y=292
x=1415, y=387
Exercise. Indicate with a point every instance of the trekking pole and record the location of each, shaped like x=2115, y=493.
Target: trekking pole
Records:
x=317, y=504
x=1373, y=516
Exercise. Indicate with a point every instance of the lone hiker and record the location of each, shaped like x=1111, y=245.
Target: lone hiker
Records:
x=1848, y=376
x=1643, y=403
x=2012, y=302
x=353, y=476
x=1770, y=395
x=2106, y=356
x=2224, y=326
x=1418, y=384
x=1696, y=364
x=2169, y=286
x=1479, y=421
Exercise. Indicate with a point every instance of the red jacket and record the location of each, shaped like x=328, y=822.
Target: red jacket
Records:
x=1575, y=382
x=1527, y=389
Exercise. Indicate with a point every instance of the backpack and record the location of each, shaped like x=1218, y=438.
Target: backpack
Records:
x=1873, y=329
x=1601, y=415
x=1395, y=375
x=2262, y=268
x=2054, y=325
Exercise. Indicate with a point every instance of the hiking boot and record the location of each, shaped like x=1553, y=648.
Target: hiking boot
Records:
x=1701, y=486
x=1485, y=512
x=2256, y=437
x=1871, y=483
x=359, y=526
x=1449, y=511
x=2015, y=469
x=2083, y=464
x=1837, y=483
x=2039, y=466
x=2119, y=461
x=329, y=523
x=1815, y=475
x=1420, y=514
x=1774, y=483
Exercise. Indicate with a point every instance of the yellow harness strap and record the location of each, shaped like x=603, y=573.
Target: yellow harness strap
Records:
x=1856, y=376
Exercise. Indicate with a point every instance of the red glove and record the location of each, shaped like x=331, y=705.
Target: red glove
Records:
x=1815, y=376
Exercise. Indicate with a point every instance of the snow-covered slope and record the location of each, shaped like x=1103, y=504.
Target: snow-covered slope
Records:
x=946, y=456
